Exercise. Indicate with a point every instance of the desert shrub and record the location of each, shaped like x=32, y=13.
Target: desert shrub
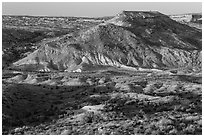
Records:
x=91, y=117
x=57, y=87
x=115, y=104
x=158, y=85
x=58, y=102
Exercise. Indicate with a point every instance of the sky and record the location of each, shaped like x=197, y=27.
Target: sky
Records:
x=97, y=9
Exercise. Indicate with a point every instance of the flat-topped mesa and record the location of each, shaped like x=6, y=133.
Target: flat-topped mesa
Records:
x=141, y=14
x=129, y=18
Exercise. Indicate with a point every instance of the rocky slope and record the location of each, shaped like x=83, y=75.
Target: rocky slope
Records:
x=191, y=19
x=21, y=35
x=130, y=39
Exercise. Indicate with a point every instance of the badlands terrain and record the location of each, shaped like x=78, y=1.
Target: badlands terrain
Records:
x=134, y=73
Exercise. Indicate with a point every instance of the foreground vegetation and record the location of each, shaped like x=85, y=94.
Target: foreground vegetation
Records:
x=106, y=102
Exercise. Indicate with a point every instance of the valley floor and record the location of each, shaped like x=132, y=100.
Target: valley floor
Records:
x=102, y=103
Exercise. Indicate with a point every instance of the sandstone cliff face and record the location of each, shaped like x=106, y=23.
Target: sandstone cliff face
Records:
x=130, y=39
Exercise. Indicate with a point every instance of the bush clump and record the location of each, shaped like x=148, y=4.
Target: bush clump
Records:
x=91, y=117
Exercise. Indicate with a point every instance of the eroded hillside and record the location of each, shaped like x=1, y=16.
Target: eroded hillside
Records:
x=21, y=35
x=130, y=39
